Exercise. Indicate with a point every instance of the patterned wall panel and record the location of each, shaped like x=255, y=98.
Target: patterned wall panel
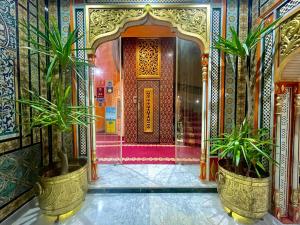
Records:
x=263, y=8
x=267, y=101
x=146, y=1
x=230, y=75
x=19, y=156
x=8, y=54
x=65, y=28
x=215, y=74
x=241, y=83
x=286, y=7
x=166, y=91
x=64, y=18
x=285, y=139
x=130, y=90
x=82, y=83
x=18, y=172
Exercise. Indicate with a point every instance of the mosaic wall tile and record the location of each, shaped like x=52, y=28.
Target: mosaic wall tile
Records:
x=284, y=152
x=230, y=75
x=286, y=7
x=241, y=83
x=267, y=101
x=215, y=74
x=8, y=53
x=18, y=172
x=146, y=1
x=64, y=18
x=265, y=7
x=82, y=84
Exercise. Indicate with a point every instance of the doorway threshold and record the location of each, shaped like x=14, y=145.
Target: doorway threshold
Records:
x=150, y=178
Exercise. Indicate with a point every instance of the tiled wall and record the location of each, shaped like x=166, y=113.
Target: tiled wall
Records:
x=20, y=147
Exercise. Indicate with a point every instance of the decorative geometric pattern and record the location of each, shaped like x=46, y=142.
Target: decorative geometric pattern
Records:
x=286, y=7
x=148, y=58
x=130, y=83
x=241, y=83
x=284, y=151
x=166, y=91
x=267, y=85
x=215, y=74
x=64, y=18
x=152, y=137
x=18, y=172
x=82, y=83
x=230, y=87
x=264, y=8
x=8, y=54
x=146, y=1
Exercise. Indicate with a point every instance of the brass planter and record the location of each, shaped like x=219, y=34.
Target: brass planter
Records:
x=62, y=194
x=245, y=196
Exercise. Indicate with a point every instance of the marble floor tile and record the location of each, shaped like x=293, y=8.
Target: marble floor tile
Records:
x=149, y=175
x=143, y=209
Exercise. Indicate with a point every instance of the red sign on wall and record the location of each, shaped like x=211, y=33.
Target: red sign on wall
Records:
x=100, y=92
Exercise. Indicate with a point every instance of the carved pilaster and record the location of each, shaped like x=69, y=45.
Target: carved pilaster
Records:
x=203, y=160
x=297, y=104
x=295, y=195
x=92, y=151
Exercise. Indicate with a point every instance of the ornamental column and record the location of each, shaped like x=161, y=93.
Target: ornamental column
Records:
x=279, y=91
x=92, y=151
x=203, y=160
x=295, y=195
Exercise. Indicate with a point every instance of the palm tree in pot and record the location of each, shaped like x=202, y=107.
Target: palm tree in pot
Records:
x=61, y=189
x=243, y=177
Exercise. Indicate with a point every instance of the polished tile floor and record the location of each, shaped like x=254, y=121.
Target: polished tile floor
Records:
x=143, y=209
x=149, y=175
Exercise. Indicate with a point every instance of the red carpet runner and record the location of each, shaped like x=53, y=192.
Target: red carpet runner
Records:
x=108, y=151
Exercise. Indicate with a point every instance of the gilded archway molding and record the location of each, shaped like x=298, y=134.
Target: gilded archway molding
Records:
x=106, y=22
x=287, y=41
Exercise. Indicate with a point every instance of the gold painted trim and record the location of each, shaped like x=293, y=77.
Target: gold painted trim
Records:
x=282, y=61
x=148, y=110
x=147, y=10
x=139, y=72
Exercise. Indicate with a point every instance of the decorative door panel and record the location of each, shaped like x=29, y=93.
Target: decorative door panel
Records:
x=148, y=111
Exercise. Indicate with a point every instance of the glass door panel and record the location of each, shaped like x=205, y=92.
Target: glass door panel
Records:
x=108, y=102
x=188, y=102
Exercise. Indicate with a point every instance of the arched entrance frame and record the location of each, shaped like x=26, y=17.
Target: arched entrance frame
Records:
x=190, y=22
x=287, y=114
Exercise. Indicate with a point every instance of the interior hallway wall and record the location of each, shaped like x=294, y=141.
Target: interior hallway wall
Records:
x=22, y=151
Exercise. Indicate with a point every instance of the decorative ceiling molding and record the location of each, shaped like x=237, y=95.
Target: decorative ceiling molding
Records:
x=107, y=22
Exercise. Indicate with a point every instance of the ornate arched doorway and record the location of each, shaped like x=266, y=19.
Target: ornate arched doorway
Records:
x=106, y=23
x=286, y=178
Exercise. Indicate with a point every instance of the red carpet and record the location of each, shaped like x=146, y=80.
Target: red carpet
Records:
x=108, y=151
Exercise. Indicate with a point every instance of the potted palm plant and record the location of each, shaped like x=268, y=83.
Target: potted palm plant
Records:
x=62, y=187
x=243, y=178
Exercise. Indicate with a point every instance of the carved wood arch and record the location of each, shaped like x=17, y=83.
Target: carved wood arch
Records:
x=106, y=22
x=287, y=45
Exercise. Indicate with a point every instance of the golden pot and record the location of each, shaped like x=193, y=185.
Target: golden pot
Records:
x=248, y=197
x=58, y=195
